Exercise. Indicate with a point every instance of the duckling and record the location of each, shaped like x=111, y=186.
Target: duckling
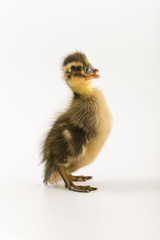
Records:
x=78, y=134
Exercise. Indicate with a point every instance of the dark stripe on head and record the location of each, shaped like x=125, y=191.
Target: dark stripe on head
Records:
x=75, y=57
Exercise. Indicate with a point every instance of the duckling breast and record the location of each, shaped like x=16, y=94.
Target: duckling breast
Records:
x=95, y=118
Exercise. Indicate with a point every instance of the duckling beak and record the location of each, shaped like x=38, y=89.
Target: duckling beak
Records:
x=92, y=75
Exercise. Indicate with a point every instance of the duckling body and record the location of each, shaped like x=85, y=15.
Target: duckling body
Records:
x=78, y=135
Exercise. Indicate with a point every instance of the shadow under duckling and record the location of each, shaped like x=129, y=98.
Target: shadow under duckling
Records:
x=78, y=134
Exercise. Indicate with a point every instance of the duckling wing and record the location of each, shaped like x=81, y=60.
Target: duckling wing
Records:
x=64, y=141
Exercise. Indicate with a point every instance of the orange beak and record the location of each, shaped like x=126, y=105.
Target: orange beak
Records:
x=92, y=75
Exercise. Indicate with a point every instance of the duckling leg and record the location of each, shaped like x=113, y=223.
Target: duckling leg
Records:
x=80, y=178
x=69, y=184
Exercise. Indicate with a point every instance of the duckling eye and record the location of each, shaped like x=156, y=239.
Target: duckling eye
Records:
x=88, y=70
x=73, y=68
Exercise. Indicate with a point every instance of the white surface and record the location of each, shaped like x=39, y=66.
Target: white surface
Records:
x=121, y=38
x=119, y=210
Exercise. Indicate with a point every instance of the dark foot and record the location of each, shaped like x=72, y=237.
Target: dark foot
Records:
x=69, y=184
x=85, y=189
x=80, y=178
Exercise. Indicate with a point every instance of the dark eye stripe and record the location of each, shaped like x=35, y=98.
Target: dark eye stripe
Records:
x=79, y=68
x=76, y=68
x=73, y=68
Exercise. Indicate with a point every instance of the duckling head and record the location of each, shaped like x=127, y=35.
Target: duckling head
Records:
x=78, y=73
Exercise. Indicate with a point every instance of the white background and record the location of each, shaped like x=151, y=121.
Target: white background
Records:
x=121, y=39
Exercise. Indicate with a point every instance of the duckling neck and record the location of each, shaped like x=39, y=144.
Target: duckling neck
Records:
x=83, y=90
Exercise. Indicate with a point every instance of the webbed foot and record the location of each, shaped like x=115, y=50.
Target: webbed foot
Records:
x=69, y=184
